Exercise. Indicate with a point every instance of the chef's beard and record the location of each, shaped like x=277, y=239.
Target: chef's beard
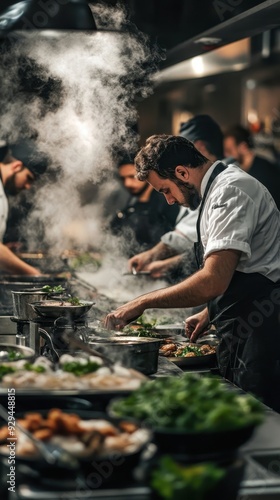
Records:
x=10, y=186
x=190, y=194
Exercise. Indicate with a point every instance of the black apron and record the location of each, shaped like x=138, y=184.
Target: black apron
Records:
x=247, y=318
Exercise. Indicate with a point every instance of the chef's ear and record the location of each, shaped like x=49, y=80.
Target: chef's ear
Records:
x=182, y=173
x=16, y=166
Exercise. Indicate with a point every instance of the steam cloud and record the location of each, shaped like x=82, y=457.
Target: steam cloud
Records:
x=81, y=112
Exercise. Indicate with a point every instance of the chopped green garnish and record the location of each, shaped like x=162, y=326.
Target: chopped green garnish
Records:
x=80, y=369
x=53, y=289
x=15, y=355
x=34, y=368
x=5, y=370
x=173, y=481
x=187, y=349
x=74, y=301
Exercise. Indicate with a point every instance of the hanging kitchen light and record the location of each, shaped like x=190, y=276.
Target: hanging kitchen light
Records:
x=29, y=15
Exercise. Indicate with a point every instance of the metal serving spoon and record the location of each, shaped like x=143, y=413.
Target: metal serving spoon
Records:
x=52, y=454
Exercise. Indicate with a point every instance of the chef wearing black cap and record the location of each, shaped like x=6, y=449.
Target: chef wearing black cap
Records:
x=20, y=164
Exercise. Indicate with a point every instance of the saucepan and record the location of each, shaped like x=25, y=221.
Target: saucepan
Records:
x=140, y=353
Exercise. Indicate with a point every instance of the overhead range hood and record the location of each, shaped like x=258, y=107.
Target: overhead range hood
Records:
x=244, y=23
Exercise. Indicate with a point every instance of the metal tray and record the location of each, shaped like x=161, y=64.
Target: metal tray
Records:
x=205, y=360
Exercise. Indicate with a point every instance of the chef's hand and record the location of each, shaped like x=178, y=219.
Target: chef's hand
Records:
x=158, y=269
x=122, y=316
x=196, y=324
x=140, y=261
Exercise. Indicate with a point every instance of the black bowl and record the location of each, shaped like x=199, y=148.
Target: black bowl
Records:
x=51, y=309
x=201, y=444
x=227, y=488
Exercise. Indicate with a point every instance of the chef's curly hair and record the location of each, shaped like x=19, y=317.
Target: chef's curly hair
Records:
x=162, y=153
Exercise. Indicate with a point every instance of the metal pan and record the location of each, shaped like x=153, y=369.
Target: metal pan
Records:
x=52, y=309
x=205, y=360
x=140, y=353
x=24, y=352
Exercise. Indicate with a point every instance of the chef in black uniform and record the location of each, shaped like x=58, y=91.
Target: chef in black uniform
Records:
x=238, y=253
x=145, y=216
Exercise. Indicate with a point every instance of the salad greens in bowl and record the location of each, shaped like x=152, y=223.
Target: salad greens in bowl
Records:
x=192, y=414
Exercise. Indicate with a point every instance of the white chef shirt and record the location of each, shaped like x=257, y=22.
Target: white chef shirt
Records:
x=3, y=211
x=240, y=214
x=184, y=235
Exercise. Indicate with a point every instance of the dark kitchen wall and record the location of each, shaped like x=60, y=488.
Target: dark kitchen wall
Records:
x=220, y=96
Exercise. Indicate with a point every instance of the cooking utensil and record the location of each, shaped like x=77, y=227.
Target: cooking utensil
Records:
x=140, y=353
x=52, y=309
x=24, y=352
x=137, y=273
x=21, y=303
x=52, y=454
x=46, y=336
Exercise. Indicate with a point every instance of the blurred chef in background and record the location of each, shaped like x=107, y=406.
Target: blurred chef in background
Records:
x=239, y=143
x=145, y=217
x=20, y=165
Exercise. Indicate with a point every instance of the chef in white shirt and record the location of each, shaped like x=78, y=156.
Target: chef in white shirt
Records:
x=20, y=165
x=238, y=254
x=173, y=257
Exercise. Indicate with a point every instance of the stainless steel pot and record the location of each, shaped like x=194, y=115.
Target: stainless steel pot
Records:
x=21, y=303
x=140, y=353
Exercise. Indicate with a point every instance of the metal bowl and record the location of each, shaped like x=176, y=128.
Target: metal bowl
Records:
x=52, y=309
x=23, y=353
x=140, y=353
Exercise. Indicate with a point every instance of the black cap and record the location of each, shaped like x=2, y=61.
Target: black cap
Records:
x=3, y=150
x=27, y=152
x=204, y=128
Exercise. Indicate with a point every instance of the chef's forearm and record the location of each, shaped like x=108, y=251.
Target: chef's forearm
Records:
x=206, y=284
x=11, y=264
x=162, y=251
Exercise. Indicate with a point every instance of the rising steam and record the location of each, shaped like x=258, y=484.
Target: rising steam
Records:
x=80, y=105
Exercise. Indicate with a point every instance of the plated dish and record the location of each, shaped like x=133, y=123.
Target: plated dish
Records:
x=77, y=373
x=187, y=353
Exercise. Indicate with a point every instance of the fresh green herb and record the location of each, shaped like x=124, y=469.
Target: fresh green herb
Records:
x=5, y=370
x=74, y=301
x=53, y=289
x=80, y=369
x=143, y=328
x=173, y=481
x=192, y=403
x=187, y=349
x=34, y=368
x=15, y=355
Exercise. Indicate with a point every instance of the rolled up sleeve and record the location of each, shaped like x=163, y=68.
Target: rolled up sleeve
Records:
x=230, y=222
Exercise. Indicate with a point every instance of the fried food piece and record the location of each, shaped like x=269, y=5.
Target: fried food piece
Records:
x=168, y=347
x=33, y=421
x=128, y=427
x=43, y=434
x=4, y=434
x=190, y=355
